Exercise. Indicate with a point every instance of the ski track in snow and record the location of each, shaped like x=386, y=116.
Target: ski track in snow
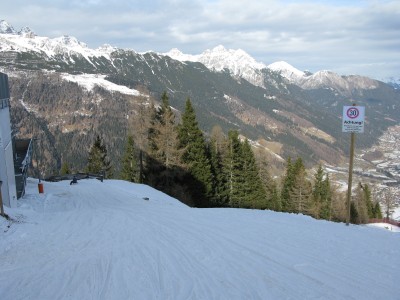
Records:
x=99, y=240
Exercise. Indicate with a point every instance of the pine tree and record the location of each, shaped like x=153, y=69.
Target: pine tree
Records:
x=98, y=161
x=318, y=191
x=253, y=189
x=129, y=170
x=287, y=185
x=292, y=172
x=217, y=148
x=354, y=217
x=243, y=184
x=377, y=211
x=321, y=204
x=368, y=200
x=233, y=168
x=192, y=142
x=300, y=193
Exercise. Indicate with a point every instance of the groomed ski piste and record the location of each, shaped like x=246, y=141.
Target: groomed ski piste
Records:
x=104, y=240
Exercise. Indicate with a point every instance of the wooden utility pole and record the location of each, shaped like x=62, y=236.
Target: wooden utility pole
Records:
x=350, y=181
x=353, y=122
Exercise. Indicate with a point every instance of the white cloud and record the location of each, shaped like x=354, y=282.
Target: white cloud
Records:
x=342, y=36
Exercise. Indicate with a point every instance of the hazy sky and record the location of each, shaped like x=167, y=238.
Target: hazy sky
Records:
x=345, y=36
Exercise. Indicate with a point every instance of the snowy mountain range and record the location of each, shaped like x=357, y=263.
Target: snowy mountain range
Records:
x=291, y=112
x=237, y=62
x=27, y=40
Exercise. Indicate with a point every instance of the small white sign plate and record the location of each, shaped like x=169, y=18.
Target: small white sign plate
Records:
x=353, y=119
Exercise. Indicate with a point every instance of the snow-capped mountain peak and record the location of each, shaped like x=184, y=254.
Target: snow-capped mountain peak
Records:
x=6, y=28
x=287, y=71
x=106, y=49
x=179, y=55
x=70, y=41
x=238, y=62
x=220, y=58
x=26, y=32
x=26, y=40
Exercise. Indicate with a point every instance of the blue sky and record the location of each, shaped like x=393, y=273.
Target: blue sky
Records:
x=348, y=37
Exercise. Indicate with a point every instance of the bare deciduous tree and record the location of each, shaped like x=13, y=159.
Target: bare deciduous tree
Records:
x=388, y=202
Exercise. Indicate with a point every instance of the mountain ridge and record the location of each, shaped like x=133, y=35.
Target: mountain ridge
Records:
x=299, y=119
x=238, y=62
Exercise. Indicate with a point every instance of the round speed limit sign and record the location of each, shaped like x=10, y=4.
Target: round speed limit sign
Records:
x=353, y=112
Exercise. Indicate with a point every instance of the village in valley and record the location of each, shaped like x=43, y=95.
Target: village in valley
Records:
x=378, y=166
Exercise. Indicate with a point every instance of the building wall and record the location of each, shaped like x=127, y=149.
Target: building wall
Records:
x=7, y=175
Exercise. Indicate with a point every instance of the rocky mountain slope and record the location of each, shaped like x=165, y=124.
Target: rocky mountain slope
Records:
x=66, y=93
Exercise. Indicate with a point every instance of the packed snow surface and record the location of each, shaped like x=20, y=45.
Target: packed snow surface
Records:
x=89, y=81
x=103, y=240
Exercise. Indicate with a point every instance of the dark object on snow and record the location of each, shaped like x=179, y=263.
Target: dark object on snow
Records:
x=145, y=198
x=74, y=180
x=78, y=176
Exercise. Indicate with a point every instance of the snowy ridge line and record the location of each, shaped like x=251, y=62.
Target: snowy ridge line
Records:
x=238, y=62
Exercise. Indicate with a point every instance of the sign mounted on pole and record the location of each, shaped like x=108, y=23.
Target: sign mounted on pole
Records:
x=353, y=119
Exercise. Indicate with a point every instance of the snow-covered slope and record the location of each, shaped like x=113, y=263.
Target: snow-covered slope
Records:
x=103, y=240
x=89, y=81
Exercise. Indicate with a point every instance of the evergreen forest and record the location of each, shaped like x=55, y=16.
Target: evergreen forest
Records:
x=221, y=170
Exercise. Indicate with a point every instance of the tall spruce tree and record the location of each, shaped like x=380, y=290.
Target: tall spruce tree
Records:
x=217, y=151
x=287, y=185
x=130, y=170
x=233, y=168
x=354, y=217
x=193, y=145
x=318, y=191
x=322, y=196
x=368, y=200
x=253, y=189
x=98, y=161
x=377, y=211
x=219, y=184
